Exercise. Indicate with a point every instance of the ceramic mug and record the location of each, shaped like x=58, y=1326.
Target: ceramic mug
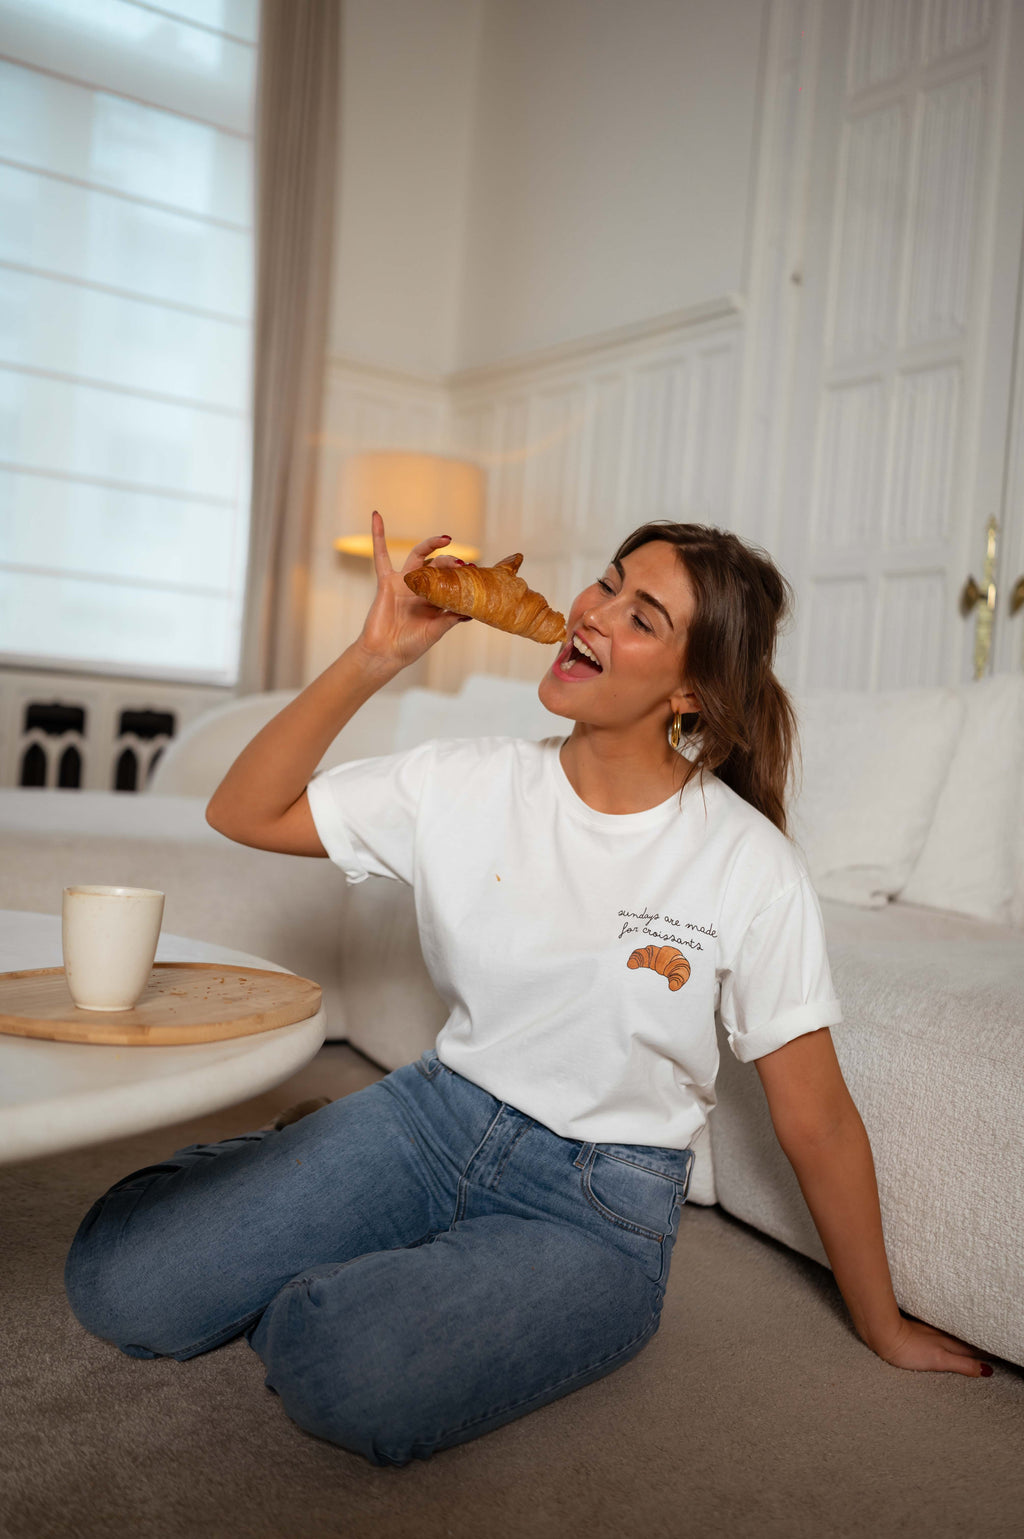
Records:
x=109, y=936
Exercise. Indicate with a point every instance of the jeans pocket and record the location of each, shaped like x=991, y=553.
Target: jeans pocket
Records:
x=632, y=1197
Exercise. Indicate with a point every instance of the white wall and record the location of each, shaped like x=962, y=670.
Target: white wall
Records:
x=612, y=167
x=515, y=174
x=518, y=173
x=408, y=95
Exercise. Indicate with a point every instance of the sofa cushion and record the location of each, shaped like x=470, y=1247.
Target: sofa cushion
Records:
x=874, y=764
x=1017, y=905
x=193, y=765
x=115, y=814
x=968, y=862
x=931, y=1047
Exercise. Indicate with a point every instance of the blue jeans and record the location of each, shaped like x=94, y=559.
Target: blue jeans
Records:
x=415, y=1263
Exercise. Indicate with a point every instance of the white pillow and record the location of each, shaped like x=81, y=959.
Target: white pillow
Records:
x=510, y=708
x=488, y=706
x=427, y=713
x=874, y=763
x=968, y=863
x=1017, y=907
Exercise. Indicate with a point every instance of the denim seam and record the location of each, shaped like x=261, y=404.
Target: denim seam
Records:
x=404, y=1112
x=650, y=1169
x=305, y=1278
x=515, y=1405
x=463, y=1192
x=218, y=1337
x=614, y=1218
x=495, y=1180
x=415, y=1131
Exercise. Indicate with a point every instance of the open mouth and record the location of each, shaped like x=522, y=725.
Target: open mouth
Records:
x=576, y=661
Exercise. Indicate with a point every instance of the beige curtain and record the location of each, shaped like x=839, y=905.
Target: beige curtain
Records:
x=297, y=126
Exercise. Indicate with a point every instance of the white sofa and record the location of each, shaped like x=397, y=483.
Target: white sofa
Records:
x=911, y=818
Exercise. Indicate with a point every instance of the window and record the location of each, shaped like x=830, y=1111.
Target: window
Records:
x=126, y=280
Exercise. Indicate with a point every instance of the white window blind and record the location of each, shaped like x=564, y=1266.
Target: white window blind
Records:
x=126, y=280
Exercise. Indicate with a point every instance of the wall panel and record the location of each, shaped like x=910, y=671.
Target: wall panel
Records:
x=868, y=234
x=945, y=209
x=910, y=630
x=921, y=486
x=882, y=41
x=847, y=507
x=838, y=635
x=605, y=436
x=955, y=25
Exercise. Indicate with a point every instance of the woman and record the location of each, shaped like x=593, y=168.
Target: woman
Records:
x=490, y=1228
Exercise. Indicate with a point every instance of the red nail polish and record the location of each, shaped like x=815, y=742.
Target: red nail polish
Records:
x=458, y=562
x=987, y=1370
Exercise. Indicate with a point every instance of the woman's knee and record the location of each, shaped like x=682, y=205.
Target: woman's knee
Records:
x=398, y=1354
x=342, y=1379
x=118, y=1278
x=97, y=1287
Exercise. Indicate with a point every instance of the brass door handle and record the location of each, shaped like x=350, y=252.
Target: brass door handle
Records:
x=971, y=594
x=983, y=597
x=1017, y=595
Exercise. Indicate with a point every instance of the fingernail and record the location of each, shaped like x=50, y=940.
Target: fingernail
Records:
x=987, y=1370
x=458, y=562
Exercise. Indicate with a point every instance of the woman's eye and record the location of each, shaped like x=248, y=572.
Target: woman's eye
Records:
x=641, y=625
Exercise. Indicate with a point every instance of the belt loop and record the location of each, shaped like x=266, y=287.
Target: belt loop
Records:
x=584, y=1156
x=688, y=1176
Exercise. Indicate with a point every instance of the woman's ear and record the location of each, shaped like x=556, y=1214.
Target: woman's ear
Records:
x=685, y=704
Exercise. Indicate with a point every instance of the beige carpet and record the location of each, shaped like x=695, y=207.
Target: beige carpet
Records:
x=755, y=1411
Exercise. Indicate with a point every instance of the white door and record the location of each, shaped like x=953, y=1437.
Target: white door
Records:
x=906, y=428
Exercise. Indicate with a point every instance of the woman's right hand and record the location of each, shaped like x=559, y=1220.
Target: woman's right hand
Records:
x=400, y=626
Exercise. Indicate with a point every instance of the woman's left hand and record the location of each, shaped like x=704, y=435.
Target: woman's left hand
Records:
x=921, y=1346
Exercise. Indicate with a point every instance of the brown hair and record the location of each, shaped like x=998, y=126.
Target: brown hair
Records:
x=747, y=723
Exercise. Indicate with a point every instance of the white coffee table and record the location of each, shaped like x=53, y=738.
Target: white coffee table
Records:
x=62, y=1095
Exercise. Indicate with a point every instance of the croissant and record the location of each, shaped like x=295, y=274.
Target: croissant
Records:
x=665, y=960
x=494, y=594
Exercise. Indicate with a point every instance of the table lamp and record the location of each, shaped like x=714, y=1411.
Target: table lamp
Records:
x=417, y=495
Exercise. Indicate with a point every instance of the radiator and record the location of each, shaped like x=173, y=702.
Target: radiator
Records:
x=74, y=731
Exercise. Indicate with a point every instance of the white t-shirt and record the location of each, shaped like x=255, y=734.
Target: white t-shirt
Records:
x=531, y=907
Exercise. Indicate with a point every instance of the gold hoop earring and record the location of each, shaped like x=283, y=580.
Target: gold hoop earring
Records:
x=675, y=731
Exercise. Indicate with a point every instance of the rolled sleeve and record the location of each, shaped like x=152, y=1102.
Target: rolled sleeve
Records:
x=780, y=984
x=365, y=813
x=330, y=827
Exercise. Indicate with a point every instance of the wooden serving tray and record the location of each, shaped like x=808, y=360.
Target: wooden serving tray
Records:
x=183, y=1002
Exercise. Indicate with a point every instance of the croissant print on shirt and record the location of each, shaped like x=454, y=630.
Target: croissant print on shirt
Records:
x=665, y=960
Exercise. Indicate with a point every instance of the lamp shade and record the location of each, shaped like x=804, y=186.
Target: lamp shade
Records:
x=417, y=495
